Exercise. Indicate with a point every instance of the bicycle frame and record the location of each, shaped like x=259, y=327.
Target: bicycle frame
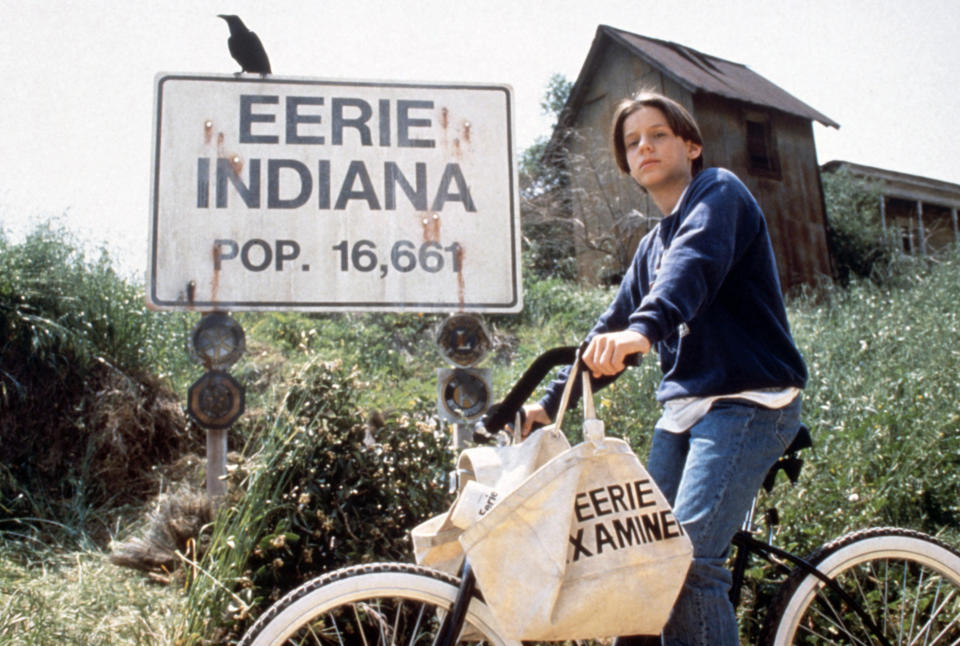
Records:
x=453, y=622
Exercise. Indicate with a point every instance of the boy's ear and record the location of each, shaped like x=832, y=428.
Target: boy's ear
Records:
x=694, y=150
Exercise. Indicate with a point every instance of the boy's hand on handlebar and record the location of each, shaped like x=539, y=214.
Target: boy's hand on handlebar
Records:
x=606, y=352
x=533, y=416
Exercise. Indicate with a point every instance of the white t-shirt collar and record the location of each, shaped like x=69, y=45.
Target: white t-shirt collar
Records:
x=676, y=207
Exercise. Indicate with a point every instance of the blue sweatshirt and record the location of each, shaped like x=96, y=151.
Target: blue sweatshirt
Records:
x=703, y=288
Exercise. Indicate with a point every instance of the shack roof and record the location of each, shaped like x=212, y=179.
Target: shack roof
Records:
x=693, y=70
x=903, y=185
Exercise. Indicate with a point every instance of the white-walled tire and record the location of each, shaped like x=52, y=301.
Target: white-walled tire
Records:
x=379, y=603
x=907, y=582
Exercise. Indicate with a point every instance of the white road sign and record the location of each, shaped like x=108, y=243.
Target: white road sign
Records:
x=307, y=194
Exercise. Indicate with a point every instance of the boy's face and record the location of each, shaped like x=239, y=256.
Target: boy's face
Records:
x=656, y=156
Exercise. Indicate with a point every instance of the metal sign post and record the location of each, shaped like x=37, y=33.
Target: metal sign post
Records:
x=216, y=400
x=310, y=194
x=463, y=392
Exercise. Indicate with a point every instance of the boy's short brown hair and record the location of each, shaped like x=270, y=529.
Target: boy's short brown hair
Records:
x=680, y=121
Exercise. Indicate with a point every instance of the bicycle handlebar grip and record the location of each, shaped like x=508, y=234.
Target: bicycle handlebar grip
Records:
x=629, y=361
x=504, y=412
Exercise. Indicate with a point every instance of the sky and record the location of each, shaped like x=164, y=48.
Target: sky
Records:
x=76, y=115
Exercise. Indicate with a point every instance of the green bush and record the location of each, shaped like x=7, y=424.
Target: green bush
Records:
x=386, y=349
x=855, y=234
x=83, y=418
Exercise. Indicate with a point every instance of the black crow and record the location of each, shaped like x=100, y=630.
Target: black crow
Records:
x=245, y=47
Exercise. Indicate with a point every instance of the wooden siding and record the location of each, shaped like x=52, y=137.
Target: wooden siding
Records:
x=791, y=198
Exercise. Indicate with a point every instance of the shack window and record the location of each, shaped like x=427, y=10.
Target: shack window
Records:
x=761, y=148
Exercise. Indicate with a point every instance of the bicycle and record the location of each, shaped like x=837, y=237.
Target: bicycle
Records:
x=878, y=586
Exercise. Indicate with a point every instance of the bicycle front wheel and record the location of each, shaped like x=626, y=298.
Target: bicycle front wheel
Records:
x=368, y=605
x=907, y=583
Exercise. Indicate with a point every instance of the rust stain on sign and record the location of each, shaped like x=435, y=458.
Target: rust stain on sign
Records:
x=208, y=131
x=461, y=288
x=461, y=144
x=431, y=228
x=444, y=118
x=215, y=280
x=236, y=162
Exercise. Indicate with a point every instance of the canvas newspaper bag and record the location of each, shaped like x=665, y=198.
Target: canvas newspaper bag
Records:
x=584, y=547
x=486, y=473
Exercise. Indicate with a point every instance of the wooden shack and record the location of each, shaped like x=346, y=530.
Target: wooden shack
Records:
x=749, y=125
x=920, y=211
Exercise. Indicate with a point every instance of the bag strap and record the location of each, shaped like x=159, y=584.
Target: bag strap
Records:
x=567, y=389
x=592, y=427
x=589, y=411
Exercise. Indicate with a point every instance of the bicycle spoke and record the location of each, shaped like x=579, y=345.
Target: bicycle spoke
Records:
x=913, y=606
x=381, y=623
x=834, y=619
x=916, y=602
x=316, y=637
x=416, y=626
x=396, y=624
x=336, y=629
x=863, y=595
x=925, y=628
x=903, y=595
x=356, y=616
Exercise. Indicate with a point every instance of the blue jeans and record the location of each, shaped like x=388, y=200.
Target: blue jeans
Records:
x=710, y=474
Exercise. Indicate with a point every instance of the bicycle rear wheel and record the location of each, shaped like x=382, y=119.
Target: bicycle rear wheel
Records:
x=368, y=605
x=906, y=582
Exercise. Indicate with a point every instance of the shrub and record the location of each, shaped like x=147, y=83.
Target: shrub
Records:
x=881, y=401
x=325, y=490
x=83, y=422
x=859, y=245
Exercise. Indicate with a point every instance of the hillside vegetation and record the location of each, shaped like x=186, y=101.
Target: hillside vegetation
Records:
x=339, y=452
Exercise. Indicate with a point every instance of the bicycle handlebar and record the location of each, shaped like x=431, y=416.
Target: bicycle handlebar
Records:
x=504, y=412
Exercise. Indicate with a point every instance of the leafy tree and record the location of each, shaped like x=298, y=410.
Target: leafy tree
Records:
x=548, y=231
x=574, y=199
x=536, y=175
x=855, y=233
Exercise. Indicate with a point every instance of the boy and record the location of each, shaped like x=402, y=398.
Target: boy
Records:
x=703, y=290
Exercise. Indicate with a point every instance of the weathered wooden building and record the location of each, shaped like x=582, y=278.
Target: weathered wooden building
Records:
x=749, y=125
x=920, y=211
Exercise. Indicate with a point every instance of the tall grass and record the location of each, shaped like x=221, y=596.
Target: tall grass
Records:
x=48, y=596
x=882, y=401
x=54, y=297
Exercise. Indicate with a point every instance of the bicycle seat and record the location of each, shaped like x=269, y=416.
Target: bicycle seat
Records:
x=790, y=462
